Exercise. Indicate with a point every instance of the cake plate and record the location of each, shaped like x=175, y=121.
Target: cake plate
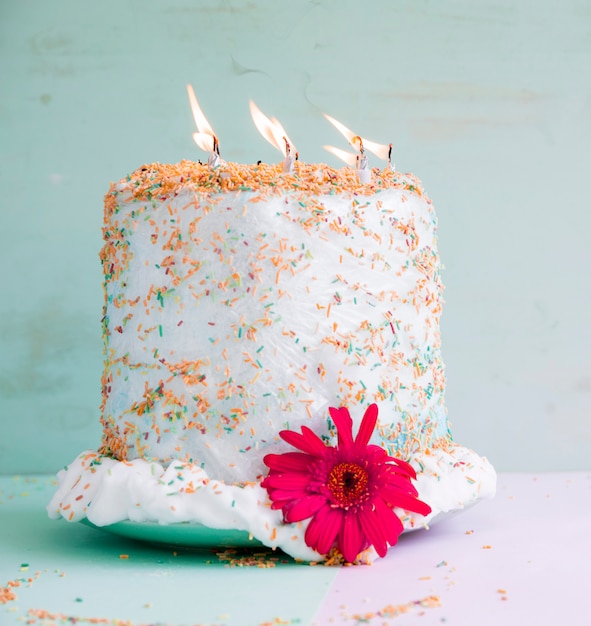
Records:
x=184, y=534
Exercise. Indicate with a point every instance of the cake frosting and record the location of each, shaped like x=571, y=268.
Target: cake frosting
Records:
x=242, y=302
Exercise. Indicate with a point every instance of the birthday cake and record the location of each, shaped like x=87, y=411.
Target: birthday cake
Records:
x=254, y=321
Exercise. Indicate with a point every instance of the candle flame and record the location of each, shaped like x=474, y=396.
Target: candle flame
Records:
x=382, y=151
x=205, y=142
x=348, y=157
x=205, y=138
x=347, y=133
x=272, y=130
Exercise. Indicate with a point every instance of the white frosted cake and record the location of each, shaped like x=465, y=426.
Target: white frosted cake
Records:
x=245, y=302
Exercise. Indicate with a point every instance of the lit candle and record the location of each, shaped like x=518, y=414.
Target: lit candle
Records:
x=361, y=162
x=205, y=138
x=359, y=143
x=390, y=166
x=273, y=132
x=289, y=160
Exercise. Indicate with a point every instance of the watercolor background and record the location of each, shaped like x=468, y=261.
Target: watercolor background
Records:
x=489, y=103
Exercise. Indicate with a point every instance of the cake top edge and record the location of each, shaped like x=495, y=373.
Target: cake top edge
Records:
x=158, y=180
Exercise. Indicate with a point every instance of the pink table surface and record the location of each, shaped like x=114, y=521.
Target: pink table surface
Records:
x=523, y=558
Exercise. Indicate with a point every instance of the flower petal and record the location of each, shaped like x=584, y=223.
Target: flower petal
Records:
x=406, y=501
x=390, y=522
x=352, y=540
x=307, y=441
x=330, y=532
x=402, y=467
x=421, y=507
x=286, y=495
x=342, y=420
x=371, y=526
x=289, y=461
x=368, y=423
x=315, y=526
x=303, y=509
x=324, y=529
x=396, y=481
x=288, y=481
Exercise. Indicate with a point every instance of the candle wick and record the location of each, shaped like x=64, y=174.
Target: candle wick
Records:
x=390, y=166
x=357, y=139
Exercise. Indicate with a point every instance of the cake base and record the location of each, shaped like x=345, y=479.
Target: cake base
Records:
x=107, y=492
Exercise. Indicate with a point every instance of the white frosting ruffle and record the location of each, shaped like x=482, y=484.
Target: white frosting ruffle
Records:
x=106, y=491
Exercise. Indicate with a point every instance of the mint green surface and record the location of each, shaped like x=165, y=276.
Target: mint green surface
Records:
x=487, y=102
x=78, y=571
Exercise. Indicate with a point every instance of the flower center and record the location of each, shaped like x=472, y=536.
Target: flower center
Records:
x=348, y=484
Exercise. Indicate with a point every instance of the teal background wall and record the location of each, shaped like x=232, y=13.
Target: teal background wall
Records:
x=489, y=103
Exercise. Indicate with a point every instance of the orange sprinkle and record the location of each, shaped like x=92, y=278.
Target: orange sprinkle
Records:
x=267, y=179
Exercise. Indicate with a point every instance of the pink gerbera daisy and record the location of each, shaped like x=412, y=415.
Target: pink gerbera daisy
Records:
x=349, y=490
